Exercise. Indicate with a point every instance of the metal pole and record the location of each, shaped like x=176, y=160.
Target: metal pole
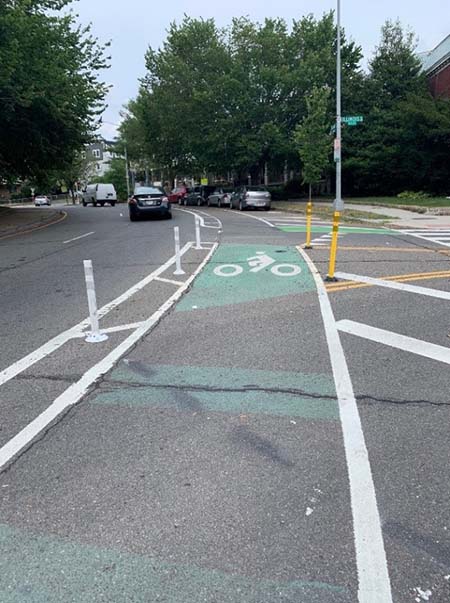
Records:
x=308, y=222
x=126, y=172
x=338, y=203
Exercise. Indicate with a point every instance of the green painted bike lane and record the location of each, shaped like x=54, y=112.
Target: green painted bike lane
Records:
x=232, y=484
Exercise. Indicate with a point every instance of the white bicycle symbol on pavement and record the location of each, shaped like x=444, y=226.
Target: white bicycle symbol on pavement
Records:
x=257, y=263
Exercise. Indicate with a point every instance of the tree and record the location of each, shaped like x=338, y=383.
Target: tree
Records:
x=116, y=175
x=51, y=95
x=312, y=137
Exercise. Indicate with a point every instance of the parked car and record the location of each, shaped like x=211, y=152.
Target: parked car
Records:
x=198, y=195
x=251, y=197
x=148, y=201
x=41, y=200
x=220, y=196
x=99, y=194
x=177, y=195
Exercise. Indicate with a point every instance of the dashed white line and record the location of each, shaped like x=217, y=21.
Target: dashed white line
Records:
x=373, y=576
x=396, y=340
x=88, y=234
x=75, y=392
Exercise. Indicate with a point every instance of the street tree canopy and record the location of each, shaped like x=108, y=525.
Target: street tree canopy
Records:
x=51, y=95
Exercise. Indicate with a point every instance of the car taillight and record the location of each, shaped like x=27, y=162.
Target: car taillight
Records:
x=164, y=199
x=132, y=201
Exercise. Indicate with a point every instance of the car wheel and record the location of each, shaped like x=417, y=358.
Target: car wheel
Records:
x=169, y=216
x=133, y=217
x=84, y=203
x=231, y=205
x=208, y=203
x=241, y=206
x=266, y=208
x=113, y=203
x=102, y=204
x=199, y=202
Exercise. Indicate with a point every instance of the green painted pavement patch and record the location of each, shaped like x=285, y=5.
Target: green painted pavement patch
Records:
x=228, y=390
x=210, y=290
x=43, y=569
x=346, y=229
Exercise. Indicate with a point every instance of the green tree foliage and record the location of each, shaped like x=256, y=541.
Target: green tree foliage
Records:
x=116, y=175
x=312, y=136
x=51, y=97
x=404, y=142
x=216, y=100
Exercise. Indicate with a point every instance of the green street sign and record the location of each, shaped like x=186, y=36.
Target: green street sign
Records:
x=352, y=120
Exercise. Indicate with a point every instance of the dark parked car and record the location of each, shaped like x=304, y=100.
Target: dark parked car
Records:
x=198, y=195
x=148, y=201
x=251, y=197
x=220, y=196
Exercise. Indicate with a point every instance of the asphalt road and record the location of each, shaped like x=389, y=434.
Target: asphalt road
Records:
x=219, y=460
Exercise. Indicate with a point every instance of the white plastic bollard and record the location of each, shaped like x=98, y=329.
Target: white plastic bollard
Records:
x=198, y=243
x=94, y=336
x=179, y=269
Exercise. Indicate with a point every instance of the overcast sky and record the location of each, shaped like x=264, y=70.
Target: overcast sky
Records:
x=133, y=25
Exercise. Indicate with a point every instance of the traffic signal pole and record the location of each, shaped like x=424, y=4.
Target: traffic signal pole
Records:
x=338, y=203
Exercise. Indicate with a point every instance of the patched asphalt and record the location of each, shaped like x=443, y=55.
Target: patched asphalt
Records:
x=209, y=464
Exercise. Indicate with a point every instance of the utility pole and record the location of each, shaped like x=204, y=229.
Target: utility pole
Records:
x=126, y=172
x=338, y=203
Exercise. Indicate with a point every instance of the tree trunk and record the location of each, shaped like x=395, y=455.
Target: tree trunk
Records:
x=266, y=174
x=285, y=174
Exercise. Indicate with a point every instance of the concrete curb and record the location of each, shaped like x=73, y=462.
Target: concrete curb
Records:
x=18, y=224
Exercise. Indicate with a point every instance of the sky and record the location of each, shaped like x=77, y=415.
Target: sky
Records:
x=134, y=25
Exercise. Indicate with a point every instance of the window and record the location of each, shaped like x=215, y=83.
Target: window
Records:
x=96, y=153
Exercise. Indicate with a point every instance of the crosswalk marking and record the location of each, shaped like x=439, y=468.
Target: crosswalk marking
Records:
x=441, y=236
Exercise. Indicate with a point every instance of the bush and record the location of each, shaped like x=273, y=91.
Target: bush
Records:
x=413, y=195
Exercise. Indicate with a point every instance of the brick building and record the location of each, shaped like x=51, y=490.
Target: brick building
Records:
x=436, y=64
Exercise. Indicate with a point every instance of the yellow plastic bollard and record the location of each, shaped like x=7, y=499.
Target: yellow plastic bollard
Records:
x=334, y=241
x=308, y=225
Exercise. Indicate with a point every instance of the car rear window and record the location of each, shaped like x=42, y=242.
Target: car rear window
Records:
x=257, y=188
x=148, y=190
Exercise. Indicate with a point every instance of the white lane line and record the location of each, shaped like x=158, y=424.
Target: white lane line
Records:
x=88, y=234
x=78, y=390
x=56, y=342
x=202, y=221
x=160, y=279
x=373, y=576
x=393, y=285
x=241, y=213
x=118, y=329
x=395, y=340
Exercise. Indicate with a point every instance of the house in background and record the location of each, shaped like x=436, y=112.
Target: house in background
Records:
x=436, y=64
x=100, y=154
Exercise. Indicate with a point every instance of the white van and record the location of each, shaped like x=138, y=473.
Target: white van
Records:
x=99, y=194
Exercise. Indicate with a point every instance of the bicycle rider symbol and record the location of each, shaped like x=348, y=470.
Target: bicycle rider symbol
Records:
x=257, y=263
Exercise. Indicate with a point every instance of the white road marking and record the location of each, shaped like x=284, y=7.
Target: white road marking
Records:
x=202, y=221
x=78, y=390
x=393, y=285
x=78, y=238
x=241, y=213
x=168, y=280
x=56, y=342
x=373, y=576
x=395, y=340
x=118, y=329
x=434, y=235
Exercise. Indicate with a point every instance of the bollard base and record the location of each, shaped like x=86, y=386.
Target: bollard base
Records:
x=179, y=272
x=307, y=247
x=95, y=337
x=331, y=279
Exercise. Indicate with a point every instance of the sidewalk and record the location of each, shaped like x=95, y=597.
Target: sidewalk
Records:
x=14, y=221
x=404, y=218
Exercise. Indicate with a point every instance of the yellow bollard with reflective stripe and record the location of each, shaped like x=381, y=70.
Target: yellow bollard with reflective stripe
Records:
x=308, y=225
x=333, y=251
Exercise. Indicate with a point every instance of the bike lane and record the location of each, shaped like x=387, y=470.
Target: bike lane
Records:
x=208, y=466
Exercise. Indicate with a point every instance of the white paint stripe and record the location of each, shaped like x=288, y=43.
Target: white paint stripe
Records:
x=395, y=340
x=393, y=285
x=202, y=221
x=427, y=239
x=56, y=342
x=168, y=280
x=373, y=576
x=118, y=329
x=80, y=237
x=76, y=391
x=241, y=213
